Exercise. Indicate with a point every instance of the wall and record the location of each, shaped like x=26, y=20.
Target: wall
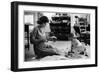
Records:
x=5, y=28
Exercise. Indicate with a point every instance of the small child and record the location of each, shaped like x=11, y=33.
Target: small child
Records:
x=77, y=47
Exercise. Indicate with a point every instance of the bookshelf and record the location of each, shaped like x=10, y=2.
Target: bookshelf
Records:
x=61, y=27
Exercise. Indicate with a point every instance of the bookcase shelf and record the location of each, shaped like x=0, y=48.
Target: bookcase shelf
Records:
x=61, y=27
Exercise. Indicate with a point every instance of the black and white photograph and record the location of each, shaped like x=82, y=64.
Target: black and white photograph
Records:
x=53, y=36
x=56, y=36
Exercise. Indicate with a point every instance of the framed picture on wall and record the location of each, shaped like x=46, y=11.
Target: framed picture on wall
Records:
x=52, y=36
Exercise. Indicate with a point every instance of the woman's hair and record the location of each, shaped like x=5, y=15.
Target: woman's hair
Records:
x=43, y=19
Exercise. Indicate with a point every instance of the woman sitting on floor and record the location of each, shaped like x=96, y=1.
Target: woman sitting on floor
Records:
x=39, y=38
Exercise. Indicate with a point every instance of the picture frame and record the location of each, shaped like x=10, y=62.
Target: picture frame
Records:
x=21, y=13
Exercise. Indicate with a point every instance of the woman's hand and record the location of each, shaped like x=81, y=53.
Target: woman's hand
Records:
x=53, y=38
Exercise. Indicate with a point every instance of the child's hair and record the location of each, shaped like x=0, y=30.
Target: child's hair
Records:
x=71, y=36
